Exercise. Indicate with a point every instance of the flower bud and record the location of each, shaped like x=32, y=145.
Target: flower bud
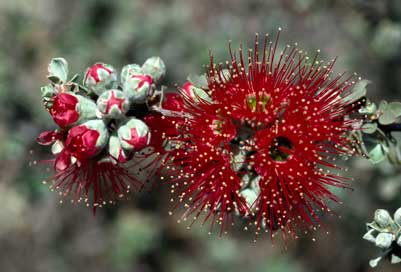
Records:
x=69, y=108
x=382, y=218
x=134, y=135
x=112, y=104
x=100, y=77
x=137, y=86
x=115, y=149
x=154, y=67
x=384, y=240
x=129, y=70
x=397, y=216
x=196, y=94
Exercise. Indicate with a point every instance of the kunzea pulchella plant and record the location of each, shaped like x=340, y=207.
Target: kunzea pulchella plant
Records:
x=103, y=145
x=385, y=233
x=260, y=139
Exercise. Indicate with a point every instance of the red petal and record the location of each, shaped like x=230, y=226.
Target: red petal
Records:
x=47, y=137
x=62, y=161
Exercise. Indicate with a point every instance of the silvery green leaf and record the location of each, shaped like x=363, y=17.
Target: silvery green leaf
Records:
x=369, y=108
x=358, y=91
x=198, y=81
x=399, y=241
x=249, y=195
x=47, y=91
x=384, y=240
x=390, y=113
x=369, y=236
x=369, y=128
x=58, y=70
x=395, y=259
x=375, y=262
x=238, y=160
x=378, y=153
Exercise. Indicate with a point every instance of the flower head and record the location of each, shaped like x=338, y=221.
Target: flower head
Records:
x=261, y=139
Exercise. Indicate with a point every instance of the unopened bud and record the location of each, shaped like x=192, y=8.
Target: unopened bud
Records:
x=100, y=77
x=154, y=67
x=134, y=135
x=112, y=104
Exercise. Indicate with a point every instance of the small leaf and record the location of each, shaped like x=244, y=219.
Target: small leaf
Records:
x=390, y=113
x=375, y=262
x=58, y=70
x=358, y=91
x=198, y=81
x=378, y=153
x=383, y=105
x=369, y=128
x=57, y=147
x=369, y=236
x=369, y=108
x=395, y=259
x=47, y=91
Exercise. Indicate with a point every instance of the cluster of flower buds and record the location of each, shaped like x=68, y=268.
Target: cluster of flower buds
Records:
x=100, y=121
x=385, y=233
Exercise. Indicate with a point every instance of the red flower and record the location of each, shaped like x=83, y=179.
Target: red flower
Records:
x=64, y=110
x=80, y=144
x=269, y=127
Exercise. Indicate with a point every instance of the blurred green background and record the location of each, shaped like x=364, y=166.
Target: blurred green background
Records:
x=39, y=234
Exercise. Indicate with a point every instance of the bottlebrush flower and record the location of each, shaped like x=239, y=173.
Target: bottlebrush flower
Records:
x=164, y=129
x=262, y=139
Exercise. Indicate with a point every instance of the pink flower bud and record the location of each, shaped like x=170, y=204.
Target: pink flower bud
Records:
x=194, y=93
x=134, y=135
x=113, y=104
x=100, y=77
x=137, y=86
x=69, y=108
